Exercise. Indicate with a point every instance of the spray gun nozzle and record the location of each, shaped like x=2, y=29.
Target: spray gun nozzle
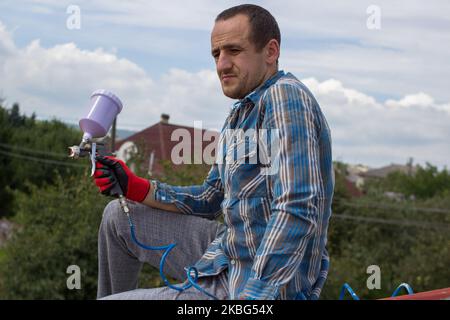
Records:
x=76, y=152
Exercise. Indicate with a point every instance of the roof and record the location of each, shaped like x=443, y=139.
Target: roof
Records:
x=384, y=171
x=352, y=189
x=158, y=139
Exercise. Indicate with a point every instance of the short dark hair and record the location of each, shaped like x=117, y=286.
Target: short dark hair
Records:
x=263, y=26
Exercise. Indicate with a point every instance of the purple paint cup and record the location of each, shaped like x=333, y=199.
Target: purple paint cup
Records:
x=105, y=106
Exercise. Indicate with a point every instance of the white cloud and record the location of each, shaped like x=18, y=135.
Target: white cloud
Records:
x=324, y=40
x=195, y=96
x=7, y=46
x=372, y=132
x=408, y=54
x=56, y=81
x=335, y=88
x=419, y=99
x=143, y=13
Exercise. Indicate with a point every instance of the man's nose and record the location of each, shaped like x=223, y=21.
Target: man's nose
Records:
x=223, y=63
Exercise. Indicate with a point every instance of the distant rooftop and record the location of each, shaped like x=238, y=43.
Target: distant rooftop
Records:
x=384, y=171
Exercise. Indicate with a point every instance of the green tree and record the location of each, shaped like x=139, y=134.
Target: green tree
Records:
x=15, y=118
x=58, y=228
x=408, y=240
x=426, y=182
x=31, y=151
x=6, y=197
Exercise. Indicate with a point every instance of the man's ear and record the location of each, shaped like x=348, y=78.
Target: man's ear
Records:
x=272, y=50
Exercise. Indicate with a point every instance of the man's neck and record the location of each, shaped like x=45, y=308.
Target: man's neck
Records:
x=270, y=74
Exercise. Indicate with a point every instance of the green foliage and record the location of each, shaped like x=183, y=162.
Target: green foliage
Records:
x=51, y=139
x=30, y=152
x=5, y=162
x=425, y=183
x=187, y=174
x=339, y=233
x=58, y=228
x=409, y=241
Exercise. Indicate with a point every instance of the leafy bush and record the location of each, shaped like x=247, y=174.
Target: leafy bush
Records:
x=409, y=241
x=426, y=182
x=30, y=152
x=58, y=228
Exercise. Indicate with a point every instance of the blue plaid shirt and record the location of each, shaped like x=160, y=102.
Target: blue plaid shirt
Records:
x=274, y=240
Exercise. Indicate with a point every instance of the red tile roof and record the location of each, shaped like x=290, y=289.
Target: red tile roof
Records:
x=157, y=138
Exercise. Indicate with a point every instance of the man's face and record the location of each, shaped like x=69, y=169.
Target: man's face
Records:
x=239, y=66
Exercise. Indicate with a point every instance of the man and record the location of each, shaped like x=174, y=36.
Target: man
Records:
x=272, y=244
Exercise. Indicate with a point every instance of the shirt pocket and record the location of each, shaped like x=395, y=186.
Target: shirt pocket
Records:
x=243, y=169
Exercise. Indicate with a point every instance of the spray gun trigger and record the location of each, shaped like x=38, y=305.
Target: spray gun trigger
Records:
x=93, y=153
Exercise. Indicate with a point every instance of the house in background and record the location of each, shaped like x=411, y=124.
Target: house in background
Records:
x=355, y=174
x=358, y=175
x=383, y=172
x=162, y=141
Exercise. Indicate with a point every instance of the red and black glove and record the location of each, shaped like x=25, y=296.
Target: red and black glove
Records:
x=111, y=172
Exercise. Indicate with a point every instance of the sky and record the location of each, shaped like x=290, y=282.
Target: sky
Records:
x=379, y=69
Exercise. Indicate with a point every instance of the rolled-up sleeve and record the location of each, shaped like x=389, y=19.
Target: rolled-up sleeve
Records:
x=201, y=200
x=297, y=191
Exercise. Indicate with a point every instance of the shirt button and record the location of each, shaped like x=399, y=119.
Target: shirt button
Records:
x=232, y=261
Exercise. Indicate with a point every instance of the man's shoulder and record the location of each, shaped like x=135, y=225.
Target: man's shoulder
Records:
x=290, y=85
x=287, y=78
x=289, y=81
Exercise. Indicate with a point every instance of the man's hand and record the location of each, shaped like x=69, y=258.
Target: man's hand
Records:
x=110, y=172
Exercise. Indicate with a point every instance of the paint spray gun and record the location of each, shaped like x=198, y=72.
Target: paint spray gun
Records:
x=105, y=106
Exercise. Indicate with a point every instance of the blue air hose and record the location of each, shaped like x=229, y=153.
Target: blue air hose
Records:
x=403, y=285
x=167, y=249
x=346, y=287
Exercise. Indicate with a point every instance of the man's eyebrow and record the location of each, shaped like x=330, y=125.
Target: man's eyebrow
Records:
x=227, y=46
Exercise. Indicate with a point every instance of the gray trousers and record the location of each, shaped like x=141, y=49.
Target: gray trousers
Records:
x=120, y=259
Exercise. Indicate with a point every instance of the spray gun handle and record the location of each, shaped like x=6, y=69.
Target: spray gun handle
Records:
x=96, y=149
x=116, y=191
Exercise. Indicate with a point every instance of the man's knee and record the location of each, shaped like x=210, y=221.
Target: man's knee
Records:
x=113, y=216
